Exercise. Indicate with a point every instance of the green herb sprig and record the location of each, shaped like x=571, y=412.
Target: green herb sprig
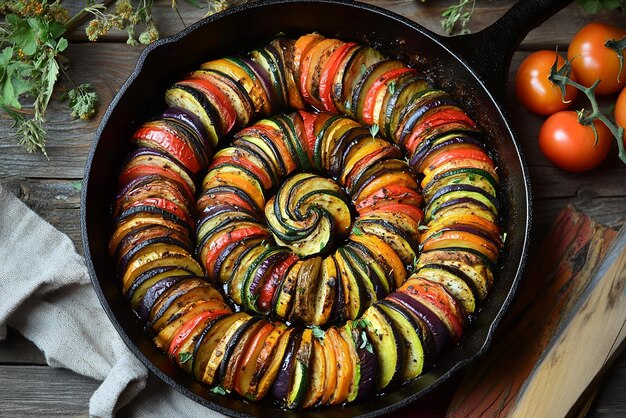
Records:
x=594, y=6
x=456, y=18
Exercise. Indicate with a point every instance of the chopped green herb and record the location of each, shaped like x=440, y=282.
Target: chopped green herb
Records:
x=184, y=357
x=392, y=87
x=78, y=185
x=357, y=231
x=456, y=181
x=362, y=323
x=472, y=177
x=374, y=130
x=364, y=340
x=363, y=69
x=218, y=390
x=422, y=228
x=437, y=234
x=318, y=332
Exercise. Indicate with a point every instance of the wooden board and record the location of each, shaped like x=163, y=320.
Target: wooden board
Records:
x=45, y=393
x=567, y=321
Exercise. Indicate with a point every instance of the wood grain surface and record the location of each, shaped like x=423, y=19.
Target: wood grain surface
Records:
x=50, y=186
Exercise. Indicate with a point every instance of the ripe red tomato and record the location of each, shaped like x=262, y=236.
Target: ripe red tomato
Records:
x=591, y=60
x=620, y=109
x=570, y=145
x=533, y=88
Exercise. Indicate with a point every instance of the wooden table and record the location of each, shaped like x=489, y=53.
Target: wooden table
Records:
x=50, y=186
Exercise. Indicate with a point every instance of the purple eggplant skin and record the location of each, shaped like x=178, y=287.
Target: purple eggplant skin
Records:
x=460, y=201
x=418, y=112
x=154, y=210
x=282, y=383
x=225, y=253
x=231, y=189
x=213, y=322
x=495, y=240
x=158, y=181
x=209, y=108
x=211, y=211
x=425, y=149
x=262, y=270
x=465, y=188
x=337, y=313
x=151, y=296
x=438, y=330
x=190, y=121
x=151, y=152
x=264, y=78
x=143, y=277
x=368, y=361
x=126, y=258
x=458, y=273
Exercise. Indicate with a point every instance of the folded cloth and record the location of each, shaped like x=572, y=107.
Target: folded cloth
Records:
x=47, y=297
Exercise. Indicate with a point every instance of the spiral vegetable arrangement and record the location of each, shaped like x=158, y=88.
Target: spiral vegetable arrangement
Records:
x=307, y=222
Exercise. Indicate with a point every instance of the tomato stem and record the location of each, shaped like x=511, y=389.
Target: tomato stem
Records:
x=560, y=78
x=618, y=47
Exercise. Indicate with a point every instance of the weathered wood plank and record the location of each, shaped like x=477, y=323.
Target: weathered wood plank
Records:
x=610, y=400
x=15, y=349
x=57, y=201
x=106, y=67
x=44, y=391
x=557, y=30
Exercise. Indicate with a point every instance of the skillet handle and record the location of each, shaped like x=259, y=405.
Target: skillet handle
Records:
x=489, y=51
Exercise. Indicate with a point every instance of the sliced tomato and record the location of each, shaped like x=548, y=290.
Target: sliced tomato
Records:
x=308, y=121
x=166, y=205
x=218, y=245
x=466, y=153
x=259, y=172
x=247, y=365
x=446, y=239
x=413, y=212
x=226, y=198
x=266, y=295
x=328, y=75
x=440, y=302
x=301, y=47
x=343, y=364
x=393, y=193
x=400, y=178
x=442, y=116
x=228, y=115
x=156, y=136
x=185, y=331
x=305, y=67
x=372, y=96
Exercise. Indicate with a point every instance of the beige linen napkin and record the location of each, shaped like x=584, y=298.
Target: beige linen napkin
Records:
x=46, y=295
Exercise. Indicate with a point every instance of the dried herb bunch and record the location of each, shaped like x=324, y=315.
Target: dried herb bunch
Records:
x=32, y=40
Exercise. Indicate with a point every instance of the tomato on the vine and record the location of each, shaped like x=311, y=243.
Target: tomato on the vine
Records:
x=620, y=109
x=534, y=89
x=572, y=146
x=592, y=60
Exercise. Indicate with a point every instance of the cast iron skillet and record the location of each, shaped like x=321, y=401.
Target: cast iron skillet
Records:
x=472, y=67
